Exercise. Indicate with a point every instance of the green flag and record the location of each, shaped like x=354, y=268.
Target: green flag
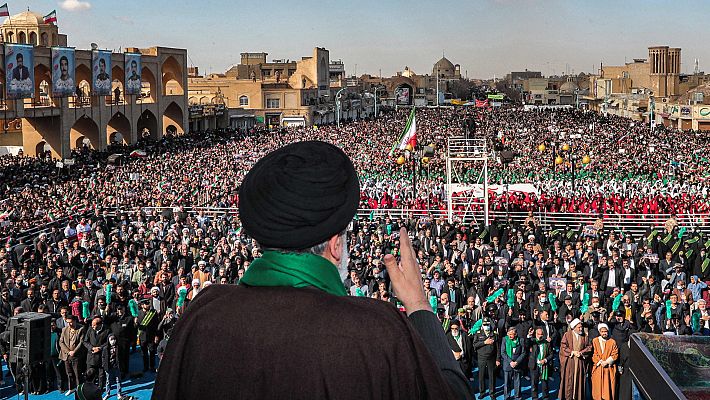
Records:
x=617, y=302
x=495, y=295
x=476, y=327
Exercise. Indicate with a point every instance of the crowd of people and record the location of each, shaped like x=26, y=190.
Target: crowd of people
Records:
x=117, y=273
x=632, y=169
x=111, y=282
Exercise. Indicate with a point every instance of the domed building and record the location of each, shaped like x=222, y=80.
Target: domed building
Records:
x=29, y=28
x=445, y=69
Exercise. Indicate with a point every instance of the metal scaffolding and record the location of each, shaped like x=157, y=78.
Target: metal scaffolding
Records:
x=471, y=200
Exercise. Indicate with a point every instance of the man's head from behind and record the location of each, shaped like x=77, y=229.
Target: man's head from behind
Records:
x=301, y=198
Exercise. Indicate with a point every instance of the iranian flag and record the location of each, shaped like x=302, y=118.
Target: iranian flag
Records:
x=51, y=17
x=408, y=135
x=51, y=217
x=4, y=12
x=5, y=214
x=138, y=154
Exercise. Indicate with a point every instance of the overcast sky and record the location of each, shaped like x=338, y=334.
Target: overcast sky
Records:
x=486, y=37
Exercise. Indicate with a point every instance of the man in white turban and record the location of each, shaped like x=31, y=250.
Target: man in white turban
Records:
x=575, y=351
x=604, y=358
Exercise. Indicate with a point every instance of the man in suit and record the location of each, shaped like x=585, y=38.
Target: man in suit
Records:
x=31, y=303
x=550, y=333
x=20, y=72
x=427, y=241
x=449, y=308
x=55, y=303
x=612, y=277
x=569, y=291
x=512, y=353
x=595, y=291
x=507, y=252
x=95, y=342
x=122, y=329
x=540, y=363
x=541, y=304
x=454, y=293
x=70, y=350
x=460, y=344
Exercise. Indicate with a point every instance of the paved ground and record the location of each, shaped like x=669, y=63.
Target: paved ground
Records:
x=141, y=387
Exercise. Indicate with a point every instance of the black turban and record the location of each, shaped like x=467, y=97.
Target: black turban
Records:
x=299, y=196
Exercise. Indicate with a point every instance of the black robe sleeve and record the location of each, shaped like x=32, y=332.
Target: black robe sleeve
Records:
x=429, y=328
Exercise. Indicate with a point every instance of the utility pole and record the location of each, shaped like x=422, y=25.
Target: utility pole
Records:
x=337, y=104
x=437, y=87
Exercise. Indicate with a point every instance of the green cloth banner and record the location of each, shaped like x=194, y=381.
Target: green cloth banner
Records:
x=541, y=354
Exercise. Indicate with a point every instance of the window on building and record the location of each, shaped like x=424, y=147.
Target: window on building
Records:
x=243, y=101
x=44, y=39
x=273, y=103
x=22, y=38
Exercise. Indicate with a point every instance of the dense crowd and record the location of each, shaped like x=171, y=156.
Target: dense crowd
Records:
x=114, y=280
x=632, y=169
x=110, y=283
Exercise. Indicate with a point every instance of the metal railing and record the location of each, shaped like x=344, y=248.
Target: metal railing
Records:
x=632, y=223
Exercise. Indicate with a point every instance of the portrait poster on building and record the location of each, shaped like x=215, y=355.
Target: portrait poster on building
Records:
x=402, y=95
x=63, y=77
x=19, y=67
x=101, y=72
x=133, y=73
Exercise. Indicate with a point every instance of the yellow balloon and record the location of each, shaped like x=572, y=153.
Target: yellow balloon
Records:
x=586, y=160
x=541, y=147
x=565, y=147
x=425, y=160
x=409, y=147
x=400, y=160
x=559, y=160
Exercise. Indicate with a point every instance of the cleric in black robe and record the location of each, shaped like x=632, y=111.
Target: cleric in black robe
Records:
x=316, y=343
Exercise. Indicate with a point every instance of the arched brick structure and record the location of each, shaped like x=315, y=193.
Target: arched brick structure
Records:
x=172, y=81
x=84, y=127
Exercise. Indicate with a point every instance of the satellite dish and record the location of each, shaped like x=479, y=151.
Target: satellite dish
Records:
x=94, y=46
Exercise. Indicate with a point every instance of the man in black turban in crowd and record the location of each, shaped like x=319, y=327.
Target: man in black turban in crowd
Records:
x=297, y=202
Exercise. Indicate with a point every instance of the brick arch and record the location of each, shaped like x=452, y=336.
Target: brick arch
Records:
x=171, y=72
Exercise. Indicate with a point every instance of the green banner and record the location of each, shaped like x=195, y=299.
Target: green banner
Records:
x=496, y=96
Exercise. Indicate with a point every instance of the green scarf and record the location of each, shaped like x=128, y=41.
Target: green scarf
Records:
x=541, y=354
x=509, y=345
x=297, y=270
